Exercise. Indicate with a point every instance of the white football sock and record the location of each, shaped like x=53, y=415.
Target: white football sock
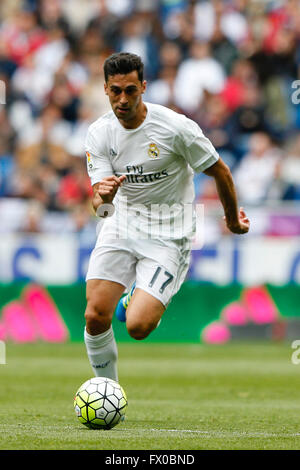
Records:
x=102, y=353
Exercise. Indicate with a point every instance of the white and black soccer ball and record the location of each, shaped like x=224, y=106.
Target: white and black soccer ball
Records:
x=100, y=403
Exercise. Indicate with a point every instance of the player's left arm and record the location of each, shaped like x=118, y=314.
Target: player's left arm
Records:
x=235, y=218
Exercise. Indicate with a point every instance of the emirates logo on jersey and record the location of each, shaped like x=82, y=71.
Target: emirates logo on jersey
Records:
x=153, y=151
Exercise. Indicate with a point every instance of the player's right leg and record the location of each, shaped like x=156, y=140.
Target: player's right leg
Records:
x=111, y=269
x=102, y=298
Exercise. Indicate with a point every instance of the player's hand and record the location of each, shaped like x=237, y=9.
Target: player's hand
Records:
x=108, y=187
x=243, y=224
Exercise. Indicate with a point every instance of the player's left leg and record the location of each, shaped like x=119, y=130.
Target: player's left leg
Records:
x=155, y=286
x=143, y=314
x=123, y=304
x=157, y=281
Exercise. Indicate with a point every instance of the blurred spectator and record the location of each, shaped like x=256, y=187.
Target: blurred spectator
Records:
x=223, y=49
x=50, y=56
x=6, y=172
x=63, y=97
x=242, y=75
x=232, y=22
x=75, y=72
x=290, y=171
x=75, y=187
x=92, y=95
x=75, y=143
x=82, y=224
x=214, y=119
x=249, y=118
x=106, y=22
x=78, y=13
x=32, y=222
x=51, y=14
x=91, y=43
x=22, y=34
x=258, y=171
x=7, y=164
x=136, y=37
x=44, y=140
x=8, y=8
x=33, y=83
x=170, y=8
x=198, y=73
x=7, y=133
x=161, y=90
x=28, y=186
x=181, y=30
x=7, y=65
x=49, y=180
x=170, y=55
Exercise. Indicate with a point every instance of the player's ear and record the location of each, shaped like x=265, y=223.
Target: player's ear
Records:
x=105, y=88
x=144, y=86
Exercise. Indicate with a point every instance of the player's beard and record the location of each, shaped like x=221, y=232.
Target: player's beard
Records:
x=130, y=113
x=125, y=116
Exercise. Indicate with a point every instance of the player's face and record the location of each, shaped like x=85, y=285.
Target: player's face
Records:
x=125, y=95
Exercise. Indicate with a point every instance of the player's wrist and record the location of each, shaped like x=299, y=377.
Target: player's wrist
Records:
x=105, y=210
x=232, y=223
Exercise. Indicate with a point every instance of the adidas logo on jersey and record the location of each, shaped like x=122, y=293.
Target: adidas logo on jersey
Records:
x=112, y=153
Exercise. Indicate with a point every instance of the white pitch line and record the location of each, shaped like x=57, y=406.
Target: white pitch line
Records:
x=217, y=433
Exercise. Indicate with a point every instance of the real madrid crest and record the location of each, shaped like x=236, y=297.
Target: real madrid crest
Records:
x=153, y=151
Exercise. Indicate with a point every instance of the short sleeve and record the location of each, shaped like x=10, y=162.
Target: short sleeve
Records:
x=98, y=163
x=194, y=147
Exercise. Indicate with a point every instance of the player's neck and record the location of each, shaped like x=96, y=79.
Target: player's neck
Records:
x=138, y=119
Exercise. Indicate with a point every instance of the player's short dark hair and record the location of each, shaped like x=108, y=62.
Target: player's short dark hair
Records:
x=123, y=63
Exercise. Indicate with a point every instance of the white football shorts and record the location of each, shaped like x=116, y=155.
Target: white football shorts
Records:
x=159, y=267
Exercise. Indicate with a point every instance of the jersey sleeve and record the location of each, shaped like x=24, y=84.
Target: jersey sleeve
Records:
x=194, y=147
x=98, y=162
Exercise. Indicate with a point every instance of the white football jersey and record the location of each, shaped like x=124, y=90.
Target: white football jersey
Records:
x=159, y=159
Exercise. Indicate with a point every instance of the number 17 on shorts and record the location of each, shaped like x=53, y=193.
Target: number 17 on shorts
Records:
x=159, y=281
x=169, y=278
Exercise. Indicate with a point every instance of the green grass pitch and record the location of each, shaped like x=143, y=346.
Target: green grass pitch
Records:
x=237, y=396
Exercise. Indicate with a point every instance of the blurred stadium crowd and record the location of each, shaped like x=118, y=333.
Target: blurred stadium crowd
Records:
x=230, y=65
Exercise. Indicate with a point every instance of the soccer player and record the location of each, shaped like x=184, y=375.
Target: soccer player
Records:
x=141, y=158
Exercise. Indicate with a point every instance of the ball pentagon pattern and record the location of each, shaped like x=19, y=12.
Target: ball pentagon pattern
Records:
x=100, y=403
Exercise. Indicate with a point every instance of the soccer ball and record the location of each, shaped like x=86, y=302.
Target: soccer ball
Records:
x=100, y=403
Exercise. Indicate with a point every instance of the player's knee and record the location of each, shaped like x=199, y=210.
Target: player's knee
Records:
x=138, y=330
x=138, y=333
x=97, y=319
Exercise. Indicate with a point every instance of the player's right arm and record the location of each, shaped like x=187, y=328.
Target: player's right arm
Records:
x=236, y=219
x=201, y=155
x=105, y=190
x=99, y=167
